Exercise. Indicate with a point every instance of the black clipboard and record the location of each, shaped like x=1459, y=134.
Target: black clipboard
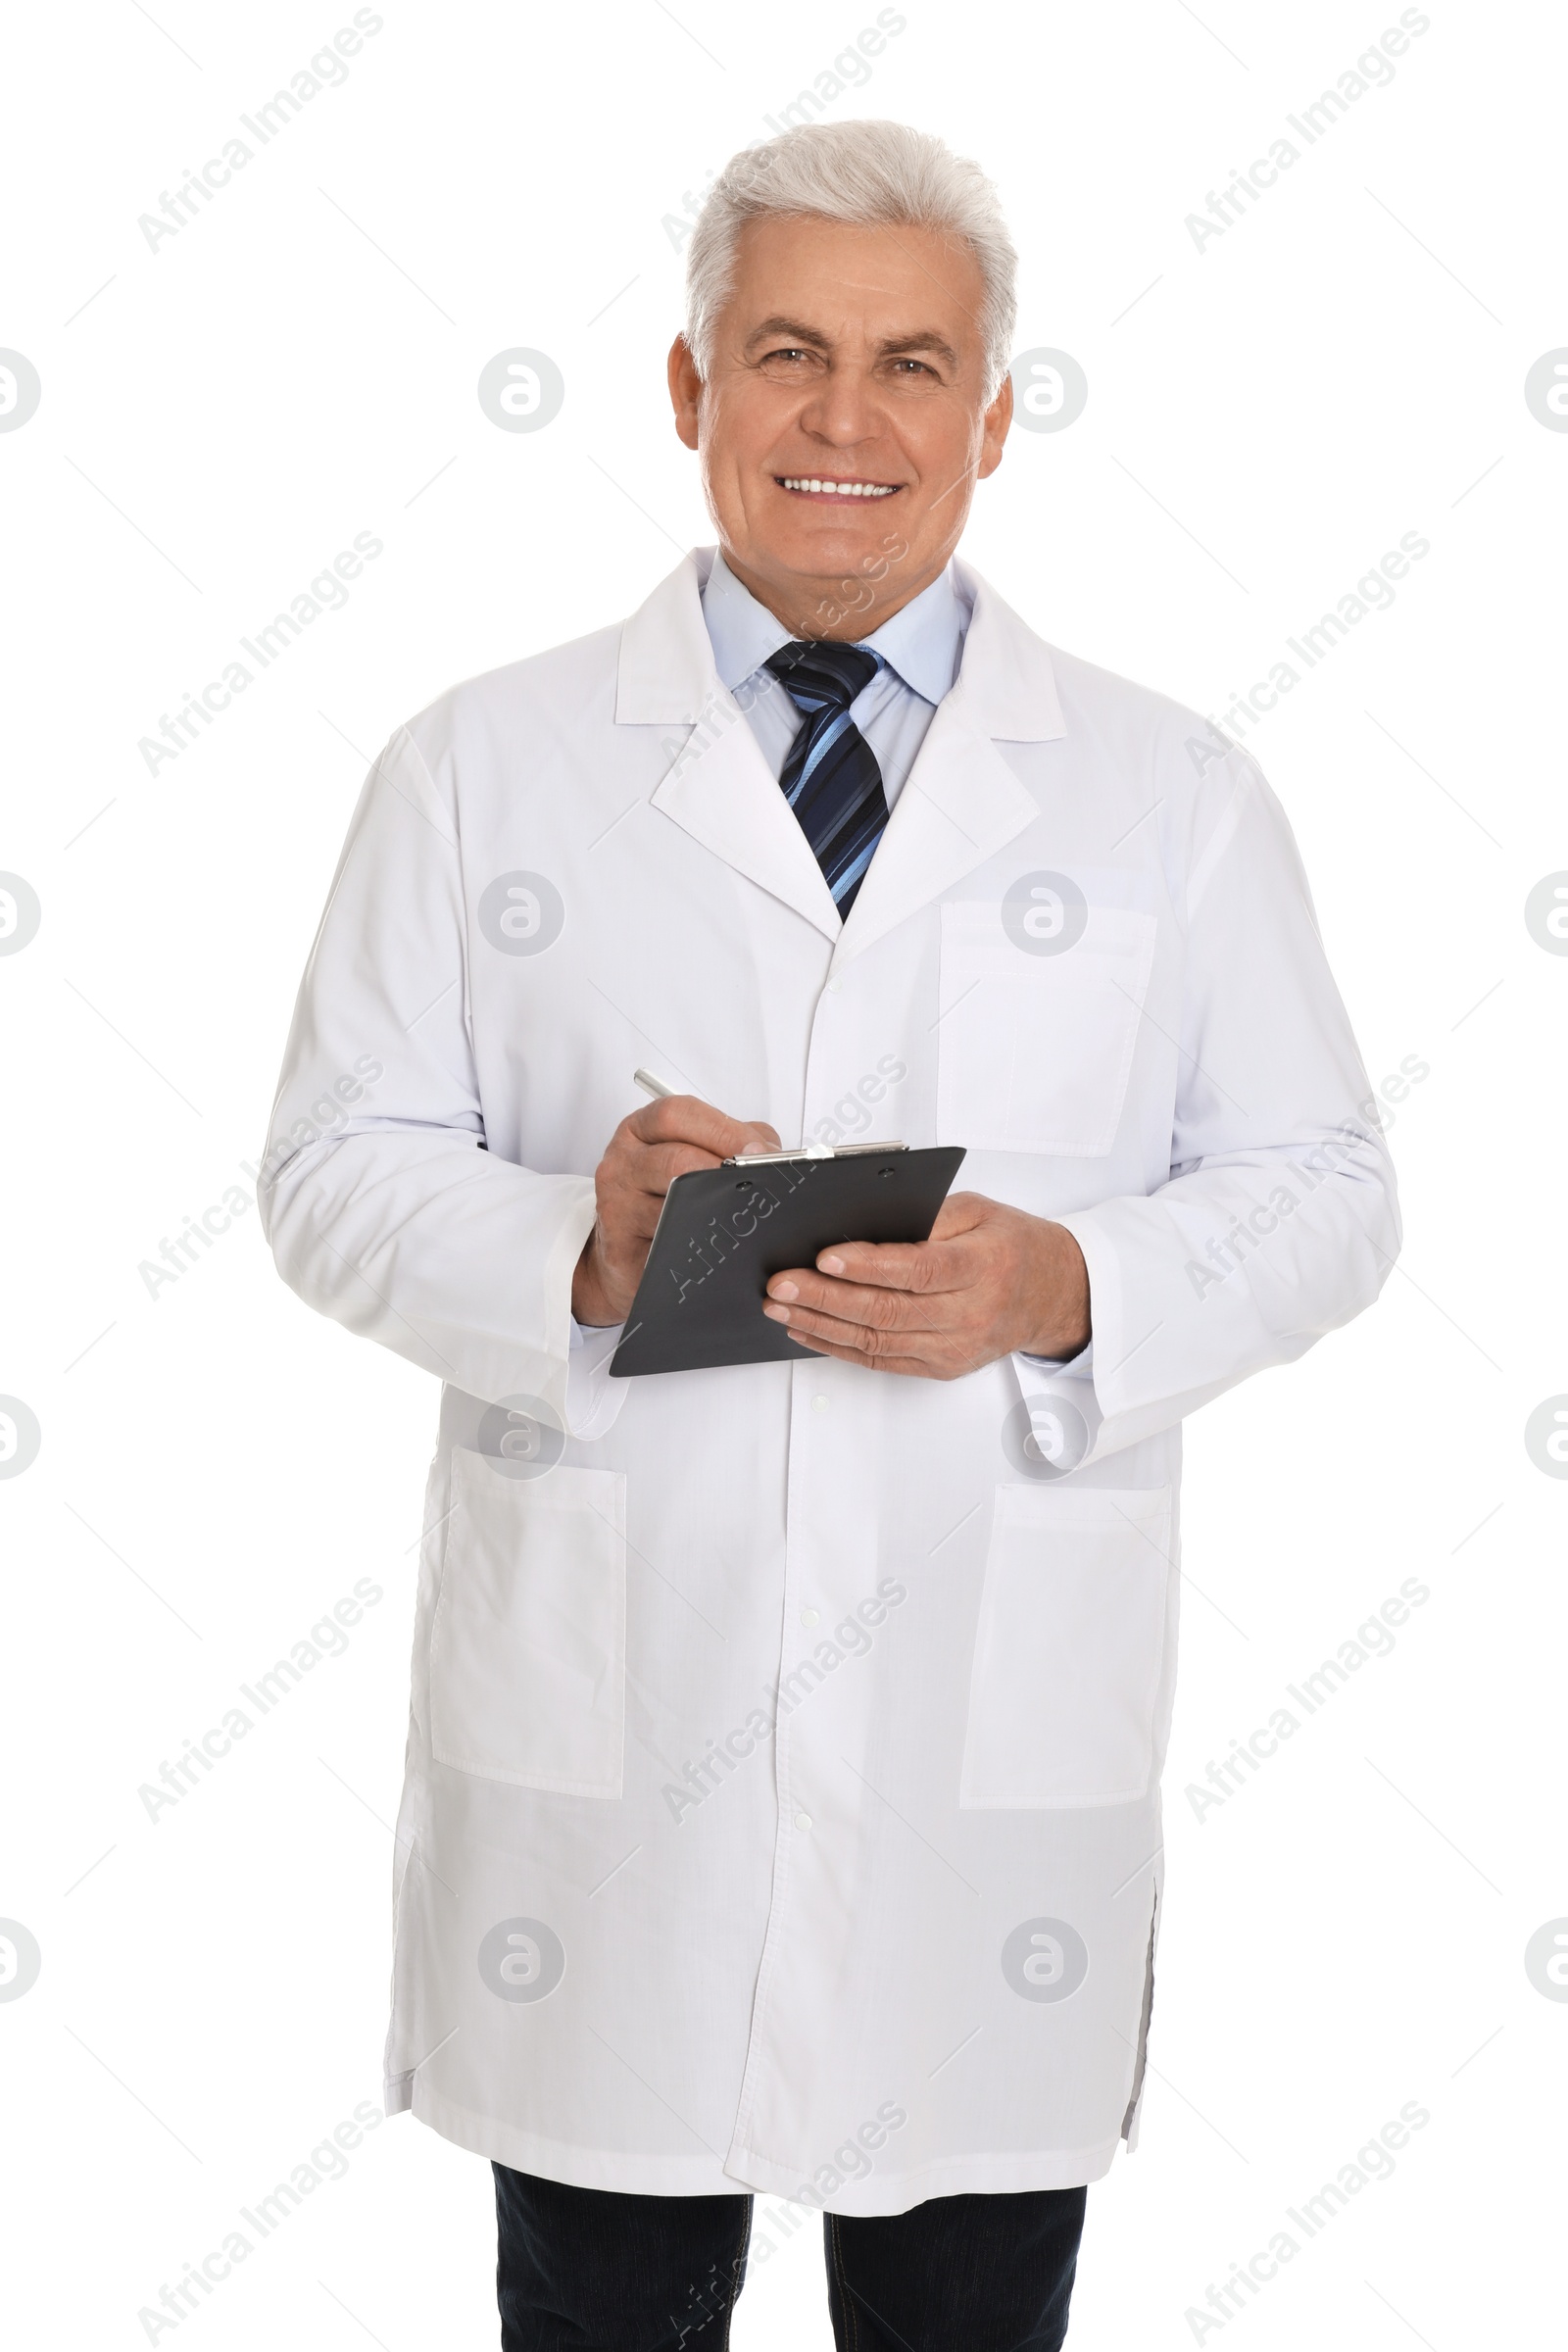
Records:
x=723, y=1231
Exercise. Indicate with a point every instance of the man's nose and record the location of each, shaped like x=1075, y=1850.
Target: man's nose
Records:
x=842, y=408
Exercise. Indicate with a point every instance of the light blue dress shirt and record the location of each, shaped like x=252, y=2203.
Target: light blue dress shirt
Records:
x=920, y=649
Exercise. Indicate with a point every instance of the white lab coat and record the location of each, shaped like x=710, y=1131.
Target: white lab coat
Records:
x=782, y=1793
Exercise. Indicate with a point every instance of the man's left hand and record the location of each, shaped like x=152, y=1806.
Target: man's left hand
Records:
x=990, y=1279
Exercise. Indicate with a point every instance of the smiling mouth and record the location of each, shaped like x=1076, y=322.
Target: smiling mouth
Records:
x=821, y=485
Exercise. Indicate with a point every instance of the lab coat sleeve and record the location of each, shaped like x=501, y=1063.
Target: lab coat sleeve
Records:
x=1280, y=1219
x=382, y=1207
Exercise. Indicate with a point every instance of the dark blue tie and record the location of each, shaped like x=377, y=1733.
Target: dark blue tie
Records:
x=831, y=779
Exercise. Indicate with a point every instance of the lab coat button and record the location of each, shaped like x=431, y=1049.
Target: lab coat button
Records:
x=810, y=1617
x=802, y=1821
x=819, y=1403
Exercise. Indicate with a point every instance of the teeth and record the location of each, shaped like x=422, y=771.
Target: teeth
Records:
x=839, y=489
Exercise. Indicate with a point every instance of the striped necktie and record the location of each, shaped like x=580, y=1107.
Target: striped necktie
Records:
x=831, y=779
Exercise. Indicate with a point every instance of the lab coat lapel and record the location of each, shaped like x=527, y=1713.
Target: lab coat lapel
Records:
x=961, y=802
x=717, y=787
x=727, y=798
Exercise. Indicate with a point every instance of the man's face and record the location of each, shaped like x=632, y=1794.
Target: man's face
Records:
x=850, y=358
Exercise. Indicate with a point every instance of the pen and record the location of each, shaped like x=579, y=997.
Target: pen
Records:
x=652, y=1085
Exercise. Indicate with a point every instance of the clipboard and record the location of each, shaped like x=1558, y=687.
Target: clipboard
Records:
x=725, y=1231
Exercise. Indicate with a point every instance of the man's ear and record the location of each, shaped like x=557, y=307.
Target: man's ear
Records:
x=685, y=390
x=993, y=429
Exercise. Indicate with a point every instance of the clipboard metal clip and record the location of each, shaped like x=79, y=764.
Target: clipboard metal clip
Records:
x=760, y=1160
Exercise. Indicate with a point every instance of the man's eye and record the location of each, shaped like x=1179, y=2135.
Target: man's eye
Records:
x=918, y=367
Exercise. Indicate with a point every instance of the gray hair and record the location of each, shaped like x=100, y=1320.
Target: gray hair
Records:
x=870, y=174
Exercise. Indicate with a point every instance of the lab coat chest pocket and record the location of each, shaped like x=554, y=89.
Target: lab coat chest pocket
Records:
x=1041, y=999
x=529, y=1640
x=1070, y=1643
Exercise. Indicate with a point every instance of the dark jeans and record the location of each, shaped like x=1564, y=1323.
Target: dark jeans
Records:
x=589, y=2270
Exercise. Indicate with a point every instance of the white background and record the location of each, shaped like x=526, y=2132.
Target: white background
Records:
x=220, y=417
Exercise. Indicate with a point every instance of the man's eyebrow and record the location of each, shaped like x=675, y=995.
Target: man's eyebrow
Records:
x=791, y=330
x=923, y=339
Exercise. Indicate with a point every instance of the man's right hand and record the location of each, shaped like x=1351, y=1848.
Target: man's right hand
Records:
x=646, y=1154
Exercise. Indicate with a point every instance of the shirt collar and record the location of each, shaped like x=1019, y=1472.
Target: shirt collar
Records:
x=923, y=642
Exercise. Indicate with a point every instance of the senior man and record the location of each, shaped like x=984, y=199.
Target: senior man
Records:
x=782, y=1794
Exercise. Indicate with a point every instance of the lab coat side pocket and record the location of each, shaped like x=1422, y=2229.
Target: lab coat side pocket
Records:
x=1065, y=1682
x=529, y=1640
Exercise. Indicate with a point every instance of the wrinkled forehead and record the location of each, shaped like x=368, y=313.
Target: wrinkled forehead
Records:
x=831, y=284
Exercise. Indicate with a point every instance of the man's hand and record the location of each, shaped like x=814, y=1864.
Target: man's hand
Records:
x=646, y=1154
x=989, y=1280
